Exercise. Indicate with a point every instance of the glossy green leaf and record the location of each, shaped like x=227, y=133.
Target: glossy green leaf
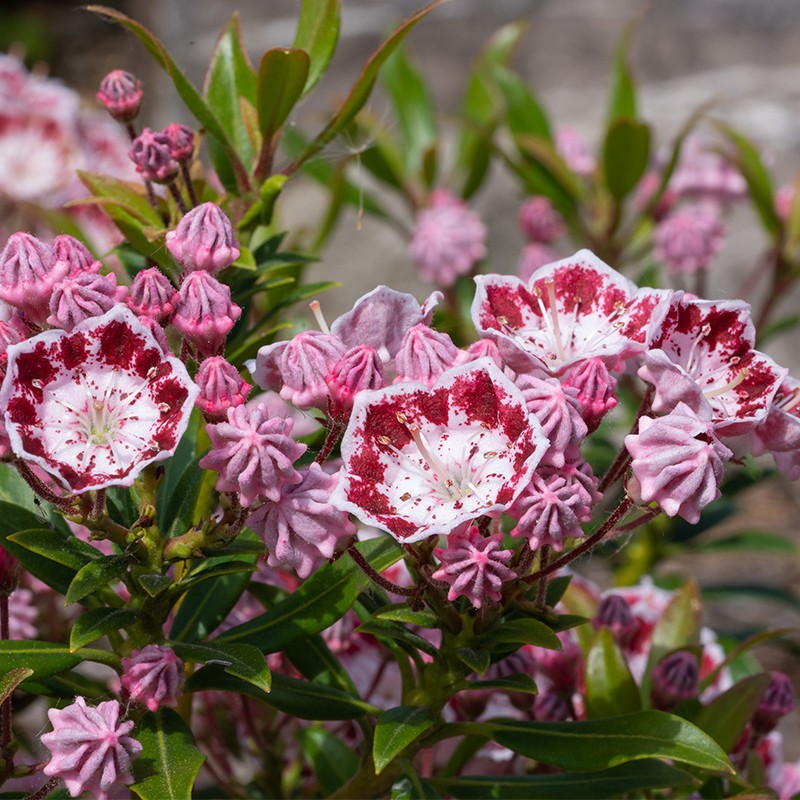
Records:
x=183, y=508
x=294, y=697
x=169, y=762
x=154, y=583
x=624, y=780
x=524, y=114
x=96, y=623
x=401, y=612
x=626, y=154
x=11, y=680
x=525, y=631
x=95, y=575
x=610, y=687
x=44, y=658
x=316, y=662
x=210, y=571
x=321, y=600
x=395, y=730
x=331, y=760
x=317, y=34
x=362, y=88
x=600, y=744
x=188, y=93
x=240, y=660
x=65, y=549
x=511, y=683
x=724, y=718
x=477, y=660
x=412, y=105
x=282, y=76
x=13, y=488
x=398, y=633
x=622, y=100
x=412, y=787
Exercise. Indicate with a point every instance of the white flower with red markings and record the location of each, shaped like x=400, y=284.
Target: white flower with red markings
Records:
x=568, y=311
x=421, y=461
x=93, y=407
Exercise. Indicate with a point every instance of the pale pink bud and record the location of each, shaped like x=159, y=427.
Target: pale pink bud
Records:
x=221, y=388
x=776, y=702
x=158, y=334
x=203, y=240
x=572, y=147
x=151, y=154
x=78, y=298
x=688, y=240
x=358, y=369
x=204, y=314
x=675, y=678
x=75, y=254
x=596, y=388
x=121, y=93
x=181, y=141
x=153, y=676
x=539, y=221
x=483, y=348
x=152, y=295
x=424, y=355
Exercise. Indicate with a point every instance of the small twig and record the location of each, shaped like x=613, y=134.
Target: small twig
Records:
x=541, y=589
x=375, y=577
x=45, y=790
x=189, y=183
x=177, y=197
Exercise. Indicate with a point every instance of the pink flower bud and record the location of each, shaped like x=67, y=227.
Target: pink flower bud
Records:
x=86, y=295
x=203, y=240
x=28, y=273
x=151, y=154
x=158, y=333
x=9, y=572
x=572, y=147
x=358, y=369
x=181, y=141
x=615, y=614
x=539, y=221
x=121, y=94
x=204, y=314
x=596, y=388
x=688, y=240
x=424, y=355
x=153, y=676
x=8, y=335
x=483, y=348
x=776, y=702
x=75, y=254
x=221, y=388
x=152, y=295
x=675, y=678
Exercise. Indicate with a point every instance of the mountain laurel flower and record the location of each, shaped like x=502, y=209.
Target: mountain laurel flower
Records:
x=28, y=273
x=539, y=221
x=204, y=313
x=83, y=296
x=94, y=406
x=152, y=295
x=121, y=94
x=702, y=173
x=75, y=254
x=153, y=676
x=688, y=240
x=474, y=566
x=221, y=387
x=358, y=370
x=421, y=461
x=302, y=527
x=677, y=461
x=203, y=240
x=151, y=153
x=91, y=749
x=574, y=309
x=448, y=239
x=253, y=454
x=779, y=433
x=424, y=355
x=596, y=388
x=181, y=141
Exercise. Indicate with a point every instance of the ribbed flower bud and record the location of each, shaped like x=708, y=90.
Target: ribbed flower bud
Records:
x=777, y=702
x=75, y=254
x=181, y=141
x=152, y=295
x=221, y=388
x=151, y=154
x=539, y=221
x=615, y=613
x=675, y=679
x=203, y=240
x=153, y=676
x=82, y=296
x=121, y=93
x=424, y=355
x=596, y=388
x=360, y=368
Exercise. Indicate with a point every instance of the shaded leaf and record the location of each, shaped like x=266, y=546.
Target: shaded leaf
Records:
x=395, y=730
x=317, y=34
x=401, y=612
x=11, y=680
x=626, y=154
x=477, y=660
x=622, y=100
x=43, y=658
x=240, y=660
x=511, y=683
x=95, y=575
x=98, y=622
x=524, y=114
x=282, y=75
x=610, y=687
x=331, y=760
x=525, y=631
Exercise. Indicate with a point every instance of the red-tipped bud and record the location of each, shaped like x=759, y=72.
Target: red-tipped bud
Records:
x=75, y=254
x=181, y=140
x=152, y=156
x=121, y=93
x=675, y=679
x=203, y=240
x=777, y=702
x=614, y=613
x=152, y=295
x=86, y=295
x=596, y=388
x=221, y=388
x=358, y=369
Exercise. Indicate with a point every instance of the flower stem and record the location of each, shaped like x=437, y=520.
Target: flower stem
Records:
x=187, y=179
x=623, y=459
x=375, y=577
x=177, y=197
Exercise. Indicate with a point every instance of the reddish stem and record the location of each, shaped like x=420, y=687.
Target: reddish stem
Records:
x=375, y=577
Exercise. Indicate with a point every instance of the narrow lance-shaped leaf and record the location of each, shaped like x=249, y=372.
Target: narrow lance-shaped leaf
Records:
x=282, y=75
x=11, y=680
x=317, y=34
x=622, y=101
x=331, y=760
x=396, y=729
x=240, y=660
x=626, y=153
x=610, y=688
x=94, y=576
x=97, y=623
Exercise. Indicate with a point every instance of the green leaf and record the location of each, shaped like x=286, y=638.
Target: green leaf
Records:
x=511, y=683
x=154, y=583
x=398, y=633
x=545, y=172
x=65, y=549
x=44, y=658
x=395, y=730
x=315, y=661
x=477, y=660
x=331, y=760
x=752, y=541
x=240, y=660
x=362, y=88
x=622, y=101
x=610, y=687
x=95, y=575
x=282, y=75
x=183, y=509
x=98, y=622
x=524, y=114
x=412, y=787
x=624, y=780
x=412, y=106
x=724, y=718
x=599, y=744
x=188, y=93
x=169, y=762
x=317, y=34
x=13, y=489
x=626, y=154
x=321, y=600
x=215, y=569
x=524, y=631
x=401, y=612
x=11, y=680
x=294, y=697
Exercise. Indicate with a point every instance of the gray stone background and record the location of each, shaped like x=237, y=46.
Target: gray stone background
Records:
x=743, y=54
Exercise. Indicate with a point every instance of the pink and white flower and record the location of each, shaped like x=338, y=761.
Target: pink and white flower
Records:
x=779, y=433
x=421, y=461
x=93, y=407
x=574, y=309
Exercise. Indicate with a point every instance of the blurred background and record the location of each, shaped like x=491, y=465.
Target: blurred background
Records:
x=741, y=55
